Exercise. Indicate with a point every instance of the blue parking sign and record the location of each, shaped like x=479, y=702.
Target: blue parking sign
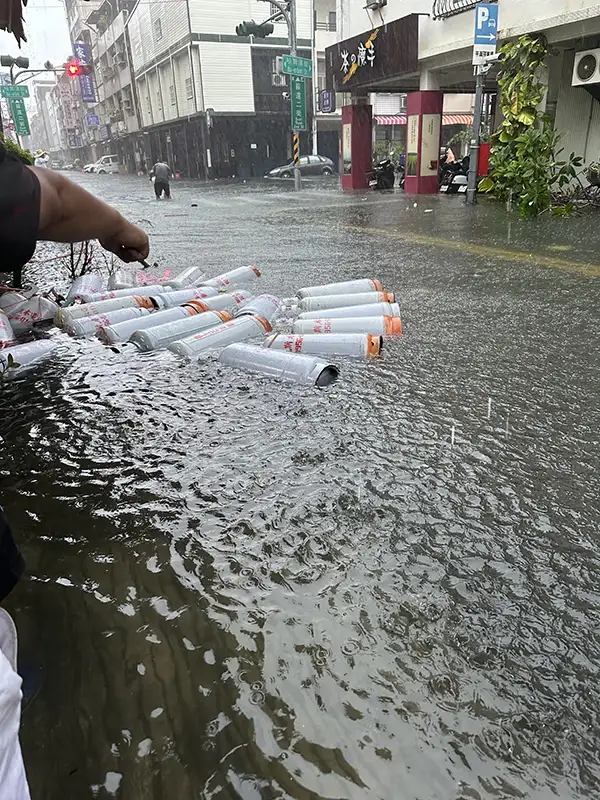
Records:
x=486, y=24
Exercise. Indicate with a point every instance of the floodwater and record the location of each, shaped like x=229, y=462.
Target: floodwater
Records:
x=242, y=589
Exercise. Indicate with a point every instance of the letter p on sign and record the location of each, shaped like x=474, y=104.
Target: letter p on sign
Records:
x=483, y=15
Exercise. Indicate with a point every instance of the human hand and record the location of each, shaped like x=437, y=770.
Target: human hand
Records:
x=127, y=241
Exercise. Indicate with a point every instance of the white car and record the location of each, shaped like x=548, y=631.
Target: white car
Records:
x=104, y=165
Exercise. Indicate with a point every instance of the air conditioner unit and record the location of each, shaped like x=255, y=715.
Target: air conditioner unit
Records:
x=586, y=69
x=278, y=80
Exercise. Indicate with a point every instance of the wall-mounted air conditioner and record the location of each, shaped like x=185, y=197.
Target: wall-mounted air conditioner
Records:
x=586, y=69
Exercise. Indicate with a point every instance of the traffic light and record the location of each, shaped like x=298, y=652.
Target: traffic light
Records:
x=75, y=69
x=251, y=28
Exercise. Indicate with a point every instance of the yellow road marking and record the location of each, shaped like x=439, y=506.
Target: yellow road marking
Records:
x=484, y=250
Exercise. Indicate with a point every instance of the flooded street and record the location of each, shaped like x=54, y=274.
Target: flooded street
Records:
x=244, y=589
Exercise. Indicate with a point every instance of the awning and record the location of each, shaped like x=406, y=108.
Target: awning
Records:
x=447, y=119
x=457, y=119
x=393, y=120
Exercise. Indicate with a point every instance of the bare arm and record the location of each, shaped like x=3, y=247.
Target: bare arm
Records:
x=70, y=214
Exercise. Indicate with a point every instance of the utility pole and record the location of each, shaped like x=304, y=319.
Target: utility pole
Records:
x=485, y=43
x=474, y=151
x=286, y=9
x=315, y=78
x=293, y=36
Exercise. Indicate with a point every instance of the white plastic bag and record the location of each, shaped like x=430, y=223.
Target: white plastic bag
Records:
x=26, y=314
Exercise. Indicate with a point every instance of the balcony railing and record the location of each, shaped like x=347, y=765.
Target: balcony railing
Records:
x=448, y=8
x=325, y=26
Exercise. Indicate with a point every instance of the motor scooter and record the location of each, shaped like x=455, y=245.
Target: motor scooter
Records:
x=383, y=175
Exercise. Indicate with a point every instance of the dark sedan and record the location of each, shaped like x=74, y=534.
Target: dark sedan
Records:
x=309, y=165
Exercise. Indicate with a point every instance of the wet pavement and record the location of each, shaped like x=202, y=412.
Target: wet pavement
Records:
x=242, y=589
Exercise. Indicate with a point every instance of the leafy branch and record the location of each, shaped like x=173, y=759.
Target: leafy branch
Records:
x=525, y=164
x=6, y=365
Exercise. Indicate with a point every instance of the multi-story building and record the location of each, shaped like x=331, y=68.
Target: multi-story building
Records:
x=76, y=136
x=213, y=103
x=44, y=125
x=427, y=46
x=113, y=122
x=69, y=111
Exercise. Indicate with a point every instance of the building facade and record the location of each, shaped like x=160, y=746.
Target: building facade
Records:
x=433, y=42
x=172, y=80
x=73, y=95
x=113, y=123
x=45, y=131
x=213, y=103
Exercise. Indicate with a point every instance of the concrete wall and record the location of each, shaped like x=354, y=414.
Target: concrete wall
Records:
x=226, y=69
x=577, y=115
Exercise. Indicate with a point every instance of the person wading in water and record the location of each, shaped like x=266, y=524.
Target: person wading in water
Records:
x=162, y=174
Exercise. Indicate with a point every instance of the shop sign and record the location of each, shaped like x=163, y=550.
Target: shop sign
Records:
x=365, y=54
x=385, y=52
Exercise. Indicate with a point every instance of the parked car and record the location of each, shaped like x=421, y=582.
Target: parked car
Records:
x=104, y=165
x=309, y=165
x=107, y=164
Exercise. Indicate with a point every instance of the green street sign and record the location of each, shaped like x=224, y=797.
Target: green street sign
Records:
x=14, y=91
x=298, y=104
x=294, y=65
x=19, y=115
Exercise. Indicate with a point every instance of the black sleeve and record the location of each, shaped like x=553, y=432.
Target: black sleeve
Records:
x=11, y=561
x=19, y=211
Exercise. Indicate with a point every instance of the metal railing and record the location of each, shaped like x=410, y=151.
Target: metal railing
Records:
x=325, y=26
x=448, y=8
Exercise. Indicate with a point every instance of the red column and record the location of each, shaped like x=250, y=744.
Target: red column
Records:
x=357, y=132
x=423, y=141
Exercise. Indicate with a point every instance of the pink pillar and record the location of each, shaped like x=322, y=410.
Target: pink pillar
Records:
x=423, y=141
x=357, y=132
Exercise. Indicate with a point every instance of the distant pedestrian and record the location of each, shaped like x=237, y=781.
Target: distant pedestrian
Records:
x=41, y=158
x=161, y=174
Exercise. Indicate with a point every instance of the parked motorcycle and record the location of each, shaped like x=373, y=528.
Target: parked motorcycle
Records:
x=454, y=176
x=383, y=175
x=401, y=175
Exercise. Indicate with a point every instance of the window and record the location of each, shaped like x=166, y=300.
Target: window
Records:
x=303, y=161
x=172, y=95
x=157, y=29
x=189, y=88
x=332, y=21
x=274, y=9
x=314, y=160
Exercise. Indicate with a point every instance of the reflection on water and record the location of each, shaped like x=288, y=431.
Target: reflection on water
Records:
x=241, y=589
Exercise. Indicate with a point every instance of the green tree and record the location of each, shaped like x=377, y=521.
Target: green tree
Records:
x=15, y=150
